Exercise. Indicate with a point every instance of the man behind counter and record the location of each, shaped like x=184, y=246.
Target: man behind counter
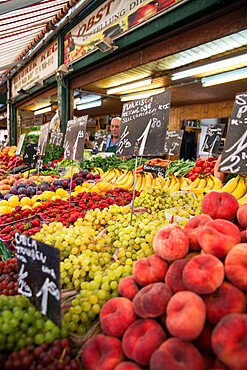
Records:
x=112, y=139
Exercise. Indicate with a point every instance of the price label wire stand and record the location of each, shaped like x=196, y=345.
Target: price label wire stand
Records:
x=70, y=185
x=38, y=161
x=133, y=194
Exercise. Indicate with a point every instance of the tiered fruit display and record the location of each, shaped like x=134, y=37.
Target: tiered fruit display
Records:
x=185, y=306
x=202, y=167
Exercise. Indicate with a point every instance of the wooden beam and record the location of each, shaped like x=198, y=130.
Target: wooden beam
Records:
x=37, y=97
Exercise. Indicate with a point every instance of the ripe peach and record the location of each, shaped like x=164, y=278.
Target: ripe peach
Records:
x=171, y=243
x=102, y=353
x=243, y=236
x=141, y=339
x=127, y=287
x=186, y=314
x=218, y=237
x=174, y=275
x=220, y=205
x=116, y=315
x=203, y=274
x=236, y=266
x=176, y=354
x=227, y=299
x=229, y=340
x=149, y=270
x=192, y=228
x=127, y=365
x=242, y=215
x=151, y=301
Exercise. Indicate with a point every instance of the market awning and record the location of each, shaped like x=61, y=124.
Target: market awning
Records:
x=25, y=25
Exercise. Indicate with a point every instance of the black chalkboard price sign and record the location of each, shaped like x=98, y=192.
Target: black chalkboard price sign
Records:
x=173, y=141
x=74, y=141
x=39, y=275
x=56, y=138
x=30, y=153
x=43, y=136
x=212, y=138
x=143, y=126
x=158, y=170
x=234, y=156
x=100, y=141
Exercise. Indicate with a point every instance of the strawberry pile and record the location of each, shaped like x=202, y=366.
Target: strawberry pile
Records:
x=30, y=221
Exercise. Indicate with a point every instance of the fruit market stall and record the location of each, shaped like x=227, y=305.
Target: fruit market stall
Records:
x=150, y=267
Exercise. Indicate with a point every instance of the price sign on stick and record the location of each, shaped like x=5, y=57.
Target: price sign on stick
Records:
x=43, y=136
x=173, y=141
x=75, y=139
x=234, y=156
x=59, y=139
x=100, y=141
x=39, y=275
x=53, y=138
x=30, y=154
x=143, y=126
x=20, y=144
x=212, y=138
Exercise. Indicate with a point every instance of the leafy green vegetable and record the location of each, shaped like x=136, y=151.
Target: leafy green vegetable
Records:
x=179, y=167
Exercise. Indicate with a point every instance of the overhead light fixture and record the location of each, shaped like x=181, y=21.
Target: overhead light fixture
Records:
x=106, y=44
x=230, y=62
x=221, y=78
x=143, y=94
x=87, y=98
x=43, y=110
x=93, y=104
x=130, y=86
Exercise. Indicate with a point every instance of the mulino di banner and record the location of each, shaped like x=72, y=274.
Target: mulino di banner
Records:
x=113, y=18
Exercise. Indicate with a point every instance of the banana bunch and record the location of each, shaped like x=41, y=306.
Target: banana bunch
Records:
x=237, y=187
x=176, y=183
x=204, y=184
x=126, y=180
x=97, y=170
x=147, y=180
x=112, y=175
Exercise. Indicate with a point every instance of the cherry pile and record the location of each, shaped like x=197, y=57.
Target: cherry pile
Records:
x=56, y=356
x=8, y=277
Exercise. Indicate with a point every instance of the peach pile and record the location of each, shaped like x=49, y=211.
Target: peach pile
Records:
x=184, y=308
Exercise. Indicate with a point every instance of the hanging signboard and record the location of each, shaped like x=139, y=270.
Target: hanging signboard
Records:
x=173, y=141
x=43, y=137
x=234, y=156
x=28, y=119
x=30, y=154
x=39, y=275
x=100, y=140
x=43, y=66
x=112, y=18
x=74, y=141
x=143, y=126
x=20, y=144
x=212, y=138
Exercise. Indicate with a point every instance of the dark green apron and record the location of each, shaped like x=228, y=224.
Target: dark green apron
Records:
x=111, y=149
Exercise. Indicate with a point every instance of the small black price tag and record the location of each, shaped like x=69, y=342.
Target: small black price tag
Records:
x=173, y=141
x=100, y=141
x=74, y=141
x=30, y=154
x=39, y=275
x=43, y=137
x=212, y=138
x=158, y=170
